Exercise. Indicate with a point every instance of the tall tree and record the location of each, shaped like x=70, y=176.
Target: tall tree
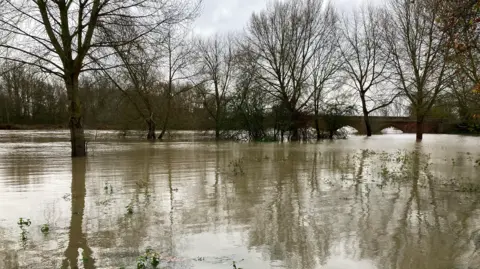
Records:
x=178, y=53
x=60, y=36
x=326, y=64
x=366, y=60
x=250, y=102
x=460, y=20
x=285, y=38
x=137, y=79
x=216, y=70
x=418, y=53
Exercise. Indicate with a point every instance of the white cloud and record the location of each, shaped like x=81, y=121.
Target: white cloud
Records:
x=232, y=15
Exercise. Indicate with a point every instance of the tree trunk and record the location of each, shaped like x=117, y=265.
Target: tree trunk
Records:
x=294, y=126
x=275, y=131
x=164, y=127
x=77, y=134
x=151, y=129
x=368, y=126
x=295, y=135
x=331, y=134
x=167, y=117
x=317, y=128
x=419, y=130
x=217, y=131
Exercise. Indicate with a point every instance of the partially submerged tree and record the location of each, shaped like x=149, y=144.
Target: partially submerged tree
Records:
x=418, y=53
x=366, y=61
x=334, y=111
x=178, y=56
x=285, y=38
x=250, y=101
x=325, y=65
x=60, y=36
x=216, y=70
x=136, y=78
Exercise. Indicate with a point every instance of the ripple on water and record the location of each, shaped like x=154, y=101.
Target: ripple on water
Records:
x=381, y=202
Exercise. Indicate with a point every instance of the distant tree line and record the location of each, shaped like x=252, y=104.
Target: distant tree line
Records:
x=105, y=64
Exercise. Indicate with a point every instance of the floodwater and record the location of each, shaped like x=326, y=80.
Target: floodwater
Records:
x=376, y=203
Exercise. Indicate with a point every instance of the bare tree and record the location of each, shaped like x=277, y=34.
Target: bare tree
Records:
x=285, y=38
x=250, y=101
x=216, y=70
x=137, y=79
x=178, y=50
x=58, y=36
x=366, y=60
x=334, y=111
x=417, y=49
x=326, y=64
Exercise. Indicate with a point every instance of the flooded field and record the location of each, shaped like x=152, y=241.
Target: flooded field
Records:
x=384, y=202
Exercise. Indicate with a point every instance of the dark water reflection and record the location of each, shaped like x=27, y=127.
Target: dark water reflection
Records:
x=384, y=202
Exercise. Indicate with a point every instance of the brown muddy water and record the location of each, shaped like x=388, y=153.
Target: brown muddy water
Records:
x=379, y=203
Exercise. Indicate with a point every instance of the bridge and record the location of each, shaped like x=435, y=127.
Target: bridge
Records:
x=378, y=123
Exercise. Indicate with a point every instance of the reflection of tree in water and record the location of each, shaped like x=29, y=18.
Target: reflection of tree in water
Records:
x=280, y=201
x=280, y=223
x=77, y=239
x=404, y=225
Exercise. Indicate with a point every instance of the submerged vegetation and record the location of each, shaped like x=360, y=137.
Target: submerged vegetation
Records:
x=149, y=258
x=45, y=228
x=129, y=208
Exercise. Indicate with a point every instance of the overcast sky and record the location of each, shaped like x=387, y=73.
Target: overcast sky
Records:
x=228, y=15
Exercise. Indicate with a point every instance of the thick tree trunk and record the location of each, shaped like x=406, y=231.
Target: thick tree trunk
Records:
x=294, y=134
x=151, y=129
x=419, y=130
x=77, y=134
x=368, y=126
x=366, y=119
x=217, y=131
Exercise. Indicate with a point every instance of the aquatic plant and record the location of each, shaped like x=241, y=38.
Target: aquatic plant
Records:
x=24, y=222
x=141, y=262
x=45, y=228
x=129, y=208
x=384, y=171
x=23, y=235
x=149, y=257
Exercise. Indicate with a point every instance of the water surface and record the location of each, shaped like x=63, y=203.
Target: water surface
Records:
x=367, y=203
